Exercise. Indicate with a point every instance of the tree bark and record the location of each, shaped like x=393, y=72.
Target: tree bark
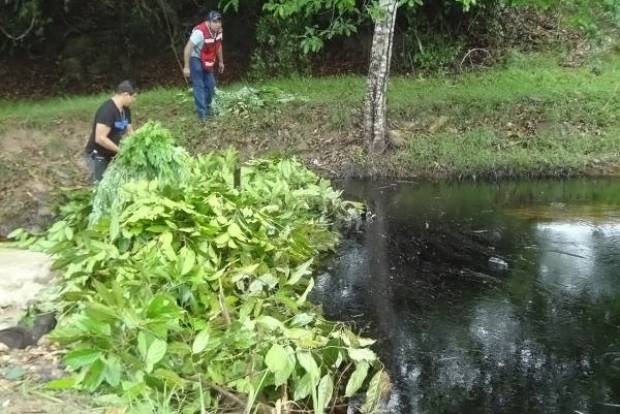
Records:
x=375, y=125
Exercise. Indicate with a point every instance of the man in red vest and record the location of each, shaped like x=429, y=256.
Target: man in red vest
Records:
x=202, y=50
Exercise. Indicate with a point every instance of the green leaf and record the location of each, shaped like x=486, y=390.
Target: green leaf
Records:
x=156, y=352
x=357, y=379
x=104, y=293
x=379, y=385
x=61, y=384
x=163, y=306
x=95, y=375
x=256, y=287
x=142, y=345
x=269, y=322
x=115, y=228
x=69, y=233
x=302, y=319
x=324, y=393
x=180, y=349
x=188, y=260
x=201, y=341
x=365, y=341
x=235, y=231
x=113, y=371
x=157, y=228
x=299, y=335
x=170, y=377
x=246, y=271
x=361, y=354
x=222, y=240
x=303, y=387
x=16, y=234
x=100, y=313
x=354, y=341
x=282, y=376
x=276, y=358
x=300, y=271
x=134, y=389
x=166, y=246
x=309, y=364
x=304, y=296
x=215, y=373
x=81, y=358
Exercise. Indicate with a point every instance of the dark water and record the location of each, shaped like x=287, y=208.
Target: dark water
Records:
x=461, y=335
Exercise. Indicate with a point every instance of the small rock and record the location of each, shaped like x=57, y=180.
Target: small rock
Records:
x=44, y=341
x=21, y=337
x=22, y=275
x=14, y=373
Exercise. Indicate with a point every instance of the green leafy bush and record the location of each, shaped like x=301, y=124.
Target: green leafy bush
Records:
x=148, y=154
x=199, y=291
x=246, y=99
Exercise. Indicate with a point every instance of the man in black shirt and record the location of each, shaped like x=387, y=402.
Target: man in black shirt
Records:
x=112, y=122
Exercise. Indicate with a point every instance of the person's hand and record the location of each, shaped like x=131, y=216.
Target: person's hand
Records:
x=221, y=67
x=186, y=72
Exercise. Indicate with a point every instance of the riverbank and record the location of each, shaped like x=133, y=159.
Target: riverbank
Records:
x=534, y=116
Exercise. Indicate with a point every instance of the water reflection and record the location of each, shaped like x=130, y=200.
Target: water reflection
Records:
x=575, y=257
x=459, y=337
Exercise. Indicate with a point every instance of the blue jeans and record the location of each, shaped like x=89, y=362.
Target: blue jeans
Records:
x=97, y=166
x=203, y=85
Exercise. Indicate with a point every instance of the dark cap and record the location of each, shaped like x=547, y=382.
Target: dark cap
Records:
x=126, y=87
x=214, y=16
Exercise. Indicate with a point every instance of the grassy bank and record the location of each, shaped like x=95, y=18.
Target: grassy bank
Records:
x=529, y=117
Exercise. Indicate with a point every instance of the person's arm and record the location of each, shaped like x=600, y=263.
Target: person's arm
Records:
x=220, y=58
x=101, y=137
x=129, y=129
x=196, y=38
x=186, y=53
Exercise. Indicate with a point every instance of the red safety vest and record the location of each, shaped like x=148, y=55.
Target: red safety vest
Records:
x=210, y=46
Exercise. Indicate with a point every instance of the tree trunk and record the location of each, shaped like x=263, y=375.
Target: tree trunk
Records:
x=378, y=73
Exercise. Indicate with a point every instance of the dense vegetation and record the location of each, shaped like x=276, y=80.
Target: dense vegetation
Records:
x=87, y=46
x=181, y=289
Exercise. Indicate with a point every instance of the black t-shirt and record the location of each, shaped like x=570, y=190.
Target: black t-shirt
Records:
x=108, y=114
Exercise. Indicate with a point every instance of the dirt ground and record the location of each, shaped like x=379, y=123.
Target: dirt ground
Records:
x=33, y=164
x=23, y=374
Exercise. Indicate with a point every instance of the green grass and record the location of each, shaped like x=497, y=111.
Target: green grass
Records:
x=530, y=116
x=484, y=153
x=82, y=107
x=536, y=77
